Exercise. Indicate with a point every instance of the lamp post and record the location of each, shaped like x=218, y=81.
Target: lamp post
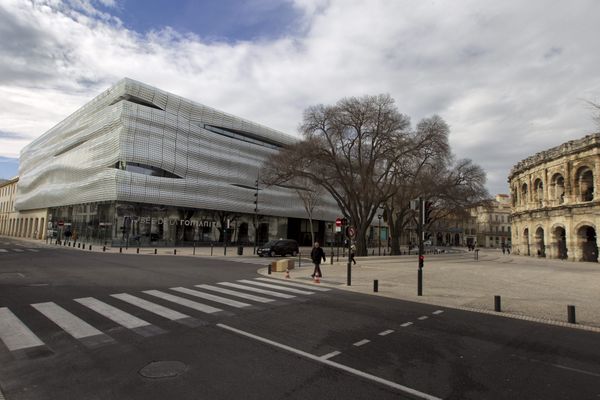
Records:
x=379, y=232
x=256, y=210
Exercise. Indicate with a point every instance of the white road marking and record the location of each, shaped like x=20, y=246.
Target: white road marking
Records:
x=120, y=317
x=423, y=317
x=360, y=343
x=333, y=364
x=437, y=312
x=404, y=325
x=149, y=306
x=14, y=333
x=184, y=302
x=268, y=285
x=236, y=294
x=300, y=285
x=384, y=333
x=3, y=250
x=257, y=290
x=581, y=371
x=70, y=323
x=34, y=250
x=211, y=297
x=330, y=355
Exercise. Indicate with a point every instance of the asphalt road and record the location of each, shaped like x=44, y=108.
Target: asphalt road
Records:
x=60, y=337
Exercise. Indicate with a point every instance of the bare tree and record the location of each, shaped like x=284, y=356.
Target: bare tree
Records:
x=311, y=196
x=351, y=149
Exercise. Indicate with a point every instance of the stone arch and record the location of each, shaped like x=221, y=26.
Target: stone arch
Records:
x=525, y=241
x=559, y=241
x=587, y=243
x=557, y=184
x=538, y=190
x=540, y=245
x=585, y=183
x=524, y=194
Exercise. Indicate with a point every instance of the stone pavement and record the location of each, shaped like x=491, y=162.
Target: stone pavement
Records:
x=530, y=288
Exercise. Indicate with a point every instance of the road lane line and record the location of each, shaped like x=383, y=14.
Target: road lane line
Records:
x=580, y=371
x=277, y=287
x=14, y=333
x=152, y=307
x=360, y=343
x=211, y=297
x=120, y=317
x=33, y=250
x=3, y=250
x=184, y=302
x=437, y=312
x=333, y=364
x=423, y=318
x=330, y=355
x=68, y=322
x=257, y=290
x=236, y=294
x=299, y=285
x=384, y=333
x=404, y=325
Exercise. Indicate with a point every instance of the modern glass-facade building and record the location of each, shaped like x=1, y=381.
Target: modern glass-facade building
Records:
x=137, y=164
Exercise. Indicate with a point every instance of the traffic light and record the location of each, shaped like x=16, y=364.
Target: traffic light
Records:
x=428, y=210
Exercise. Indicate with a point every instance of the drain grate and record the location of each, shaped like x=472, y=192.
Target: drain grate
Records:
x=163, y=369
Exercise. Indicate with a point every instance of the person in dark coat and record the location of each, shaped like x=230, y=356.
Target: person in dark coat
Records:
x=317, y=254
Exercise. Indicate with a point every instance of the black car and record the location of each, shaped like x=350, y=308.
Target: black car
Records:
x=278, y=247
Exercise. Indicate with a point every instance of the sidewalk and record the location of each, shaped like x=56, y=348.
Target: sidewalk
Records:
x=530, y=288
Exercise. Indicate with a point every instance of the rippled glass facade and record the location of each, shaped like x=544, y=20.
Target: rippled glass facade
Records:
x=136, y=152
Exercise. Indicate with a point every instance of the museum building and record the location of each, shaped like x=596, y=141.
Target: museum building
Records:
x=555, y=207
x=138, y=164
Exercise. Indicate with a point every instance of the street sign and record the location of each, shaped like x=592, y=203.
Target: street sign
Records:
x=61, y=223
x=338, y=222
x=351, y=232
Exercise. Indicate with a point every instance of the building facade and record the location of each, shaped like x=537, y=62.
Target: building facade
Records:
x=137, y=164
x=555, y=207
x=494, y=222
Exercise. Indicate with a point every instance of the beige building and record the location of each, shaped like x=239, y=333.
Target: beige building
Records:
x=28, y=224
x=493, y=222
x=556, y=210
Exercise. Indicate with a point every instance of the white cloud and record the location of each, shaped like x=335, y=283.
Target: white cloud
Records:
x=509, y=77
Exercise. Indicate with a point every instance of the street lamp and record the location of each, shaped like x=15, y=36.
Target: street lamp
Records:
x=256, y=210
x=379, y=232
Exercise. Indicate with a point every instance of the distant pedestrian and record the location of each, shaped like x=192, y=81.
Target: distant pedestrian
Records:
x=317, y=254
x=503, y=249
x=508, y=250
x=352, y=252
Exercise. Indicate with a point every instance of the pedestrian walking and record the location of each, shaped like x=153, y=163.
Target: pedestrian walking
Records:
x=317, y=254
x=352, y=252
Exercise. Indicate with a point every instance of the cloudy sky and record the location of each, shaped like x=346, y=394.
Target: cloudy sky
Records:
x=510, y=77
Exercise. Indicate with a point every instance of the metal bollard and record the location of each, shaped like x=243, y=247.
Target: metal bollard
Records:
x=373, y=252
x=376, y=285
x=497, y=304
x=269, y=269
x=174, y=252
x=155, y=251
x=103, y=248
x=571, y=314
x=211, y=249
x=90, y=247
x=331, y=257
x=138, y=250
x=120, y=249
x=194, y=248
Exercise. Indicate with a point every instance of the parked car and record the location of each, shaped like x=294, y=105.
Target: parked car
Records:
x=278, y=247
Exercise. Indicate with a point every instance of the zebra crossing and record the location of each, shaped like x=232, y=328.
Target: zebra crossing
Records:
x=18, y=250
x=183, y=305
